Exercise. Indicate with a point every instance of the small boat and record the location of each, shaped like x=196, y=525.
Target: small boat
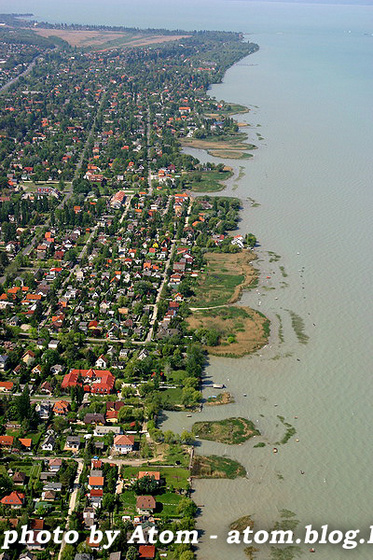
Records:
x=275, y=450
x=189, y=416
x=244, y=395
x=218, y=385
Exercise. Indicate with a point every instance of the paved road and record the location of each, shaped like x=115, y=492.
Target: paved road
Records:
x=26, y=72
x=72, y=503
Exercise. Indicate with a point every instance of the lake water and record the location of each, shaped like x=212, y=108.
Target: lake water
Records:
x=310, y=90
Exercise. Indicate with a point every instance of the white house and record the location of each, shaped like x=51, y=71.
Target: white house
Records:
x=123, y=444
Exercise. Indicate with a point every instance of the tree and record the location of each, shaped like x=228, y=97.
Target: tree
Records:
x=186, y=437
x=132, y=553
x=6, y=484
x=187, y=555
x=146, y=485
x=59, y=424
x=187, y=507
x=23, y=404
x=108, y=502
x=190, y=397
x=250, y=239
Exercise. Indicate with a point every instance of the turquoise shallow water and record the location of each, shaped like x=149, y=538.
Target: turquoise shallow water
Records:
x=310, y=89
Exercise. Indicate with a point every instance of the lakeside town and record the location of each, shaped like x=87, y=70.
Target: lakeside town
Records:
x=118, y=275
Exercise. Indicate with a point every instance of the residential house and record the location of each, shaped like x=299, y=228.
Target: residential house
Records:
x=19, y=477
x=6, y=442
x=96, y=482
x=61, y=408
x=72, y=444
x=57, y=369
x=28, y=357
x=89, y=517
x=123, y=444
x=102, y=362
x=104, y=430
x=95, y=496
x=54, y=465
x=14, y=500
x=94, y=418
x=27, y=556
x=6, y=386
x=44, y=409
x=112, y=411
x=146, y=551
x=83, y=556
x=145, y=504
x=46, y=388
x=153, y=474
x=93, y=380
x=49, y=443
x=3, y=362
x=27, y=443
x=48, y=496
x=54, y=486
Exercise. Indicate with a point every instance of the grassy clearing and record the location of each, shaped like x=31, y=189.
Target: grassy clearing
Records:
x=298, y=326
x=167, y=505
x=85, y=38
x=228, y=146
x=223, y=398
x=224, y=278
x=173, y=476
x=228, y=109
x=171, y=398
x=214, y=466
x=208, y=181
x=241, y=329
x=231, y=430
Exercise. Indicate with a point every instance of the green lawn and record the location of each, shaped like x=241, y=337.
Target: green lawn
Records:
x=128, y=500
x=214, y=466
x=170, y=397
x=216, y=288
x=208, y=181
x=169, y=503
x=230, y=430
x=175, y=476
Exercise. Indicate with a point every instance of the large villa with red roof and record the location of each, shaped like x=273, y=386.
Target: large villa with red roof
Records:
x=93, y=380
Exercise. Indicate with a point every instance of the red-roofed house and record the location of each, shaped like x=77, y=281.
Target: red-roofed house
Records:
x=96, y=482
x=146, y=551
x=6, y=386
x=61, y=408
x=155, y=474
x=123, y=444
x=93, y=380
x=6, y=441
x=14, y=499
